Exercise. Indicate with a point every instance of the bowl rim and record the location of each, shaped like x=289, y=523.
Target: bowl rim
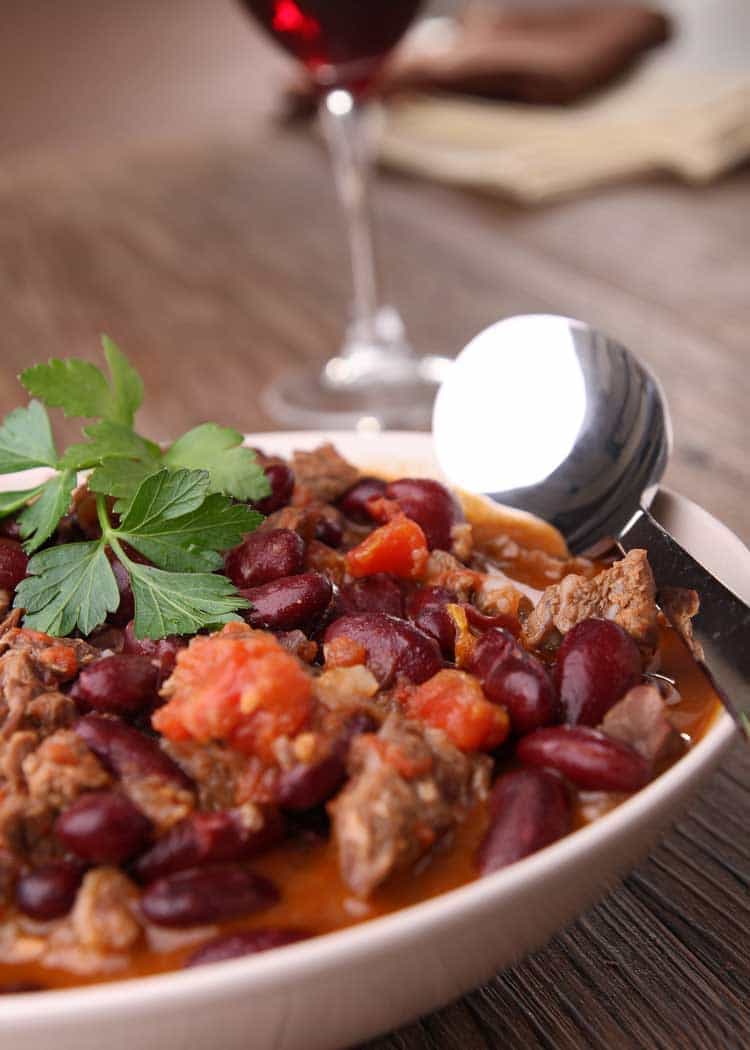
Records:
x=286, y=964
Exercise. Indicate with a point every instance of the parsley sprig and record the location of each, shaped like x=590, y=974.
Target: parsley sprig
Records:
x=172, y=511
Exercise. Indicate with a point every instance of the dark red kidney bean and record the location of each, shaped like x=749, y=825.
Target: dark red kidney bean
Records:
x=47, y=892
x=281, y=480
x=103, y=827
x=289, y=603
x=394, y=647
x=126, y=751
x=121, y=684
x=207, y=838
x=13, y=564
x=244, y=942
x=208, y=894
x=529, y=809
x=596, y=664
x=353, y=504
x=126, y=609
x=426, y=607
x=431, y=505
x=265, y=556
x=483, y=623
x=304, y=786
x=588, y=758
x=514, y=678
x=162, y=652
x=377, y=593
x=329, y=531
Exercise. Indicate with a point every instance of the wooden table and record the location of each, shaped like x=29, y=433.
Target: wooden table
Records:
x=217, y=259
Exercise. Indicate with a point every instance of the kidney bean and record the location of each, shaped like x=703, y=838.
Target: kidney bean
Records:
x=596, y=665
x=244, y=942
x=208, y=838
x=426, y=607
x=433, y=507
x=126, y=751
x=514, y=678
x=394, y=647
x=49, y=891
x=304, y=786
x=103, y=827
x=209, y=894
x=329, y=530
x=126, y=609
x=121, y=684
x=288, y=603
x=353, y=504
x=264, y=556
x=589, y=758
x=162, y=652
x=377, y=593
x=281, y=479
x=529, y=809
x=482, y=623
x=13, y=564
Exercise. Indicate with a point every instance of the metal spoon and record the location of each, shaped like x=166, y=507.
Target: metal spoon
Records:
x=549, y=415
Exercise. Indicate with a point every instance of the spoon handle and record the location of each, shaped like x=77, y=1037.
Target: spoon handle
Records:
x=722, y=625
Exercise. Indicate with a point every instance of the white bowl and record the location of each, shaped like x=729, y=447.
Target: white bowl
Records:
x=345, y=987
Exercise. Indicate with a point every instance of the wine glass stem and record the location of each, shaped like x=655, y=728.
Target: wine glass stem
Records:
x=344, y=124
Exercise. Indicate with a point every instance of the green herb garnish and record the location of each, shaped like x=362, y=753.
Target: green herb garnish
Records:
x=175, y=506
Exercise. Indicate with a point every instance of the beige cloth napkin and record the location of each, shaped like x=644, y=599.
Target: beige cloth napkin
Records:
x=664, y=118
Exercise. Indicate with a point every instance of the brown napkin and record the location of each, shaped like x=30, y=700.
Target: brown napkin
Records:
x=546, y=56
x=542, y=56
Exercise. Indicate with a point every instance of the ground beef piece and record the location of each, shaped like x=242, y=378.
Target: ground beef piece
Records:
x=321, y=558
x=163, y=801
x=302, y=520
x=61, y=768
x=218, y=771
x=408, y=787
x=324, y=473
x=443, y=570
x=462, y=540
x=13, y=752
x=103, y=916
x=641, y=719
x=297, y=642
x=33, y=665
x=26, y=828
x=680, y=605
x=624, y=593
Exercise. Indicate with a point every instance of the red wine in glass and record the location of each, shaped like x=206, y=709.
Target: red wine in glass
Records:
x=340, y=42
x=376, y=379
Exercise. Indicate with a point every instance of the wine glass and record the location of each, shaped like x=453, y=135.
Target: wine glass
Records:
x=376, y=380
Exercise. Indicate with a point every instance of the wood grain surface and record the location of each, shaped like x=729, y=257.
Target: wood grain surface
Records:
x=216, y=259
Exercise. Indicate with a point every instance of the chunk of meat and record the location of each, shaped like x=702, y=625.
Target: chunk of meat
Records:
x=443, y=570
x=162, y=800
x=61, y=768
x=239, y=686
x=26, y=828
x=32, y=665
x=103, y=916
x=680, y=605
x=217, y=771
x=624, y=593
x=13, y=751
x=324, y=472
x=408, y=787
x=641, y=719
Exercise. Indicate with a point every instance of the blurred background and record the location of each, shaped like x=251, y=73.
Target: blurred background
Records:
x=160, y=180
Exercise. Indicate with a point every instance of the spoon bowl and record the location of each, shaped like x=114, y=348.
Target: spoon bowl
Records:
x=546, y=414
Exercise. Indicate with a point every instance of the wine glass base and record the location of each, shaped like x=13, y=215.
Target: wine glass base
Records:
x=359, y=392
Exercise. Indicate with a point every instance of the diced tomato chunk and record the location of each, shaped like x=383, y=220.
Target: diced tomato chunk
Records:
x=240, y=686
x=454, y=702
x=398, y=547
